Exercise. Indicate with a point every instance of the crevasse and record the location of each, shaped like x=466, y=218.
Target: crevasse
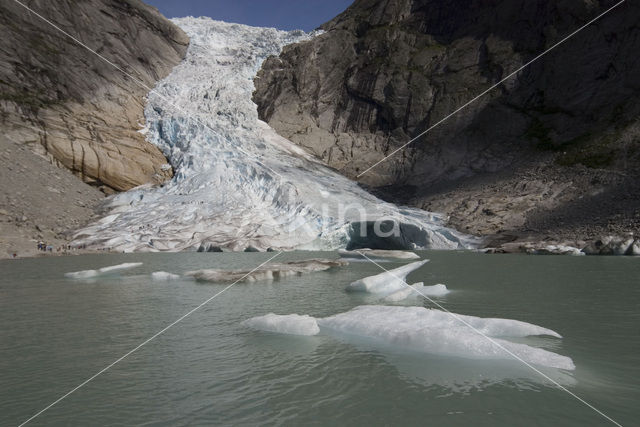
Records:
x=238, y=184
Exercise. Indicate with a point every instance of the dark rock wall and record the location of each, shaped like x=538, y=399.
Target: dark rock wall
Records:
x=386, y=70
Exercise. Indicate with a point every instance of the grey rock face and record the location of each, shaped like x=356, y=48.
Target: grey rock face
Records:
x=387, y=70
x=68, y=104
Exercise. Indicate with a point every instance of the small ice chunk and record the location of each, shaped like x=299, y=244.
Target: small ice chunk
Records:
x=292, y=324
x=438, y=332
x=125, y=266
x=377, y=254
x=387, y=282
x=163, y=275
x=418, y=289
x=85, y=274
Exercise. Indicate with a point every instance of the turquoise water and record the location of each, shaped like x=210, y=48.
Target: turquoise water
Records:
x=209, y=369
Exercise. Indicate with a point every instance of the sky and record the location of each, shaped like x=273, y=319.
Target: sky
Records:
x=282, y=14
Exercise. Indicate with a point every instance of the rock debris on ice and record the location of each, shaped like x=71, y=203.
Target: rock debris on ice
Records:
x=270, y=271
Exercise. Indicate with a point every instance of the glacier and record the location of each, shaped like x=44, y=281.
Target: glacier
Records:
x=237, y=184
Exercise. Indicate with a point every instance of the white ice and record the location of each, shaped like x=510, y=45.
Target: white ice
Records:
x=437, y=332
x=377, y=254
x=292, y=324
x=237, y=183
x=417, y=290
x=85, y=274
x=387, y=282
x=163, y=275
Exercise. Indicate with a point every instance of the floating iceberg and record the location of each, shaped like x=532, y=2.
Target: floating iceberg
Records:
x=238, y=184
x=292, y=324
x=437, y=332
x=416, y=290
x=377, y=254
x=163, y=275
x=425, y=331
x=388, y=282
x=266, y=272
x=86, y=274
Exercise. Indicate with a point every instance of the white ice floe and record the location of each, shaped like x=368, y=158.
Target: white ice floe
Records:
x=377, y=254
x=238, y=184
x=425, y=330
x=417, y=290
x=85, y=274
x=292, y=324
x=163, y=275
x=387, y=282
x=436, y=332
x=266, y=272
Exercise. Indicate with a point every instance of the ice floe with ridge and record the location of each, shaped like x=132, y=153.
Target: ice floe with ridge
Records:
x=86, y=274
x=292, y=324
x=387, y=282
x=437, y=332
x=270, y=271
x=427, y=331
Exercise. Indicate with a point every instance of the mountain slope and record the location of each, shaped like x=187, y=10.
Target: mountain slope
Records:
x=529, y=157
x=65, y=102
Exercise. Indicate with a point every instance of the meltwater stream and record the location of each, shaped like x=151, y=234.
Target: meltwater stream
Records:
x=237, y=183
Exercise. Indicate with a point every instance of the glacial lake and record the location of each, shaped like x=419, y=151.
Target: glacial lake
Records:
x=209, y=369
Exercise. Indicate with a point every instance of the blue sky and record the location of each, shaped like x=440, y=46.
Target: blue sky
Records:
x=283, y=14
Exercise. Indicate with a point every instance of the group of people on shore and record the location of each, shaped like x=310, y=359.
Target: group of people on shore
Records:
x=42, y=246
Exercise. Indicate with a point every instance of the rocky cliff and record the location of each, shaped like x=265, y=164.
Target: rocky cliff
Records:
x=68, y=104
x=556, y=148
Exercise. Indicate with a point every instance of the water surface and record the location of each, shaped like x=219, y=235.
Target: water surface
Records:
x=209, y=369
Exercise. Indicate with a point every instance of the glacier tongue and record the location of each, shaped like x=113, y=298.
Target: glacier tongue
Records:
x=238, y=184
